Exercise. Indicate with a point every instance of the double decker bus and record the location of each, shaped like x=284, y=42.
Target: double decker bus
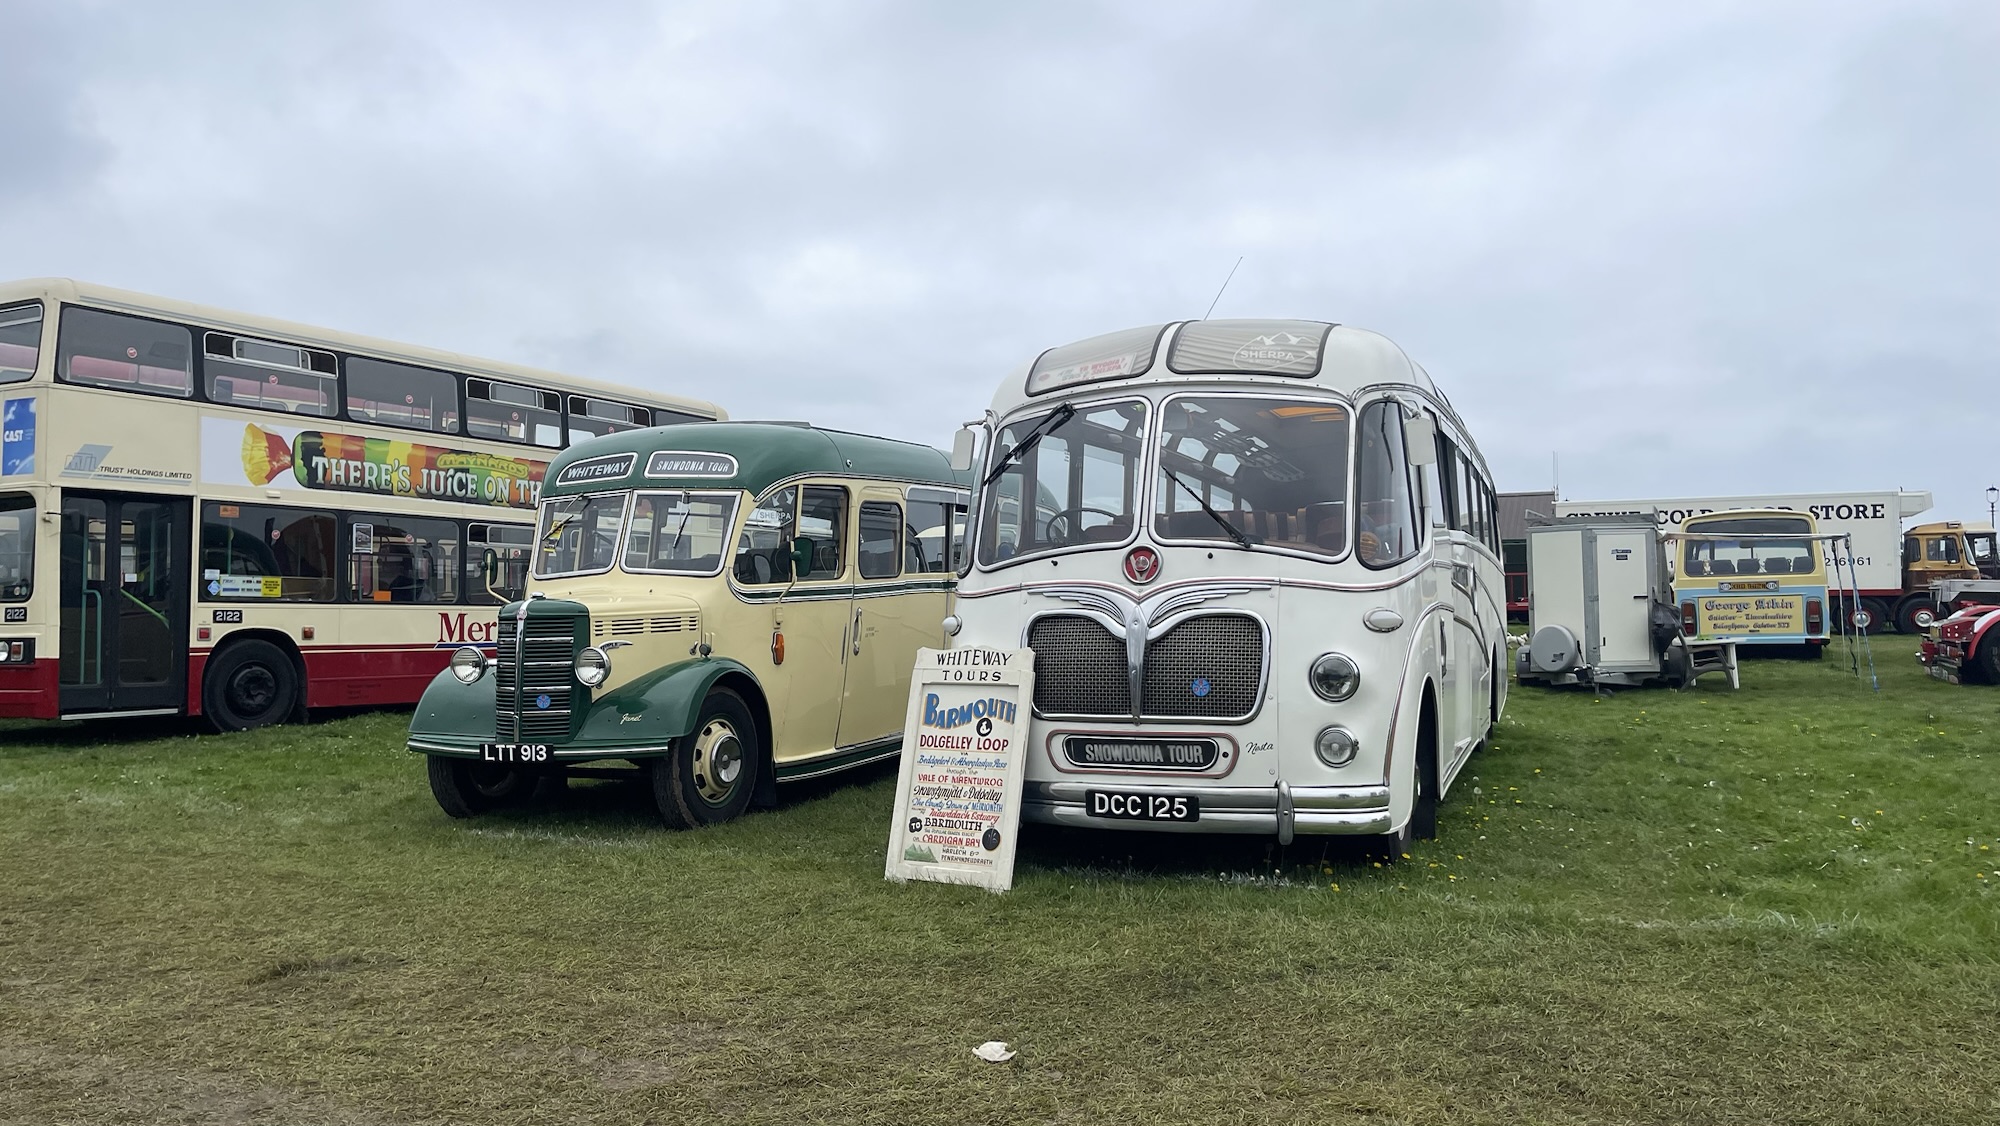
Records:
x=1258, y=563
x=209, y=513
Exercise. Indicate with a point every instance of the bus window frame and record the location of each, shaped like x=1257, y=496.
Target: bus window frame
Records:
x=528, y=425
x=1035, y=411
x=617, y=546
x=729, y=534
x=1277, y=393
x=10, y=375
x=62, y=375
x=347, y=397
x=336, y=403
x=23, y=502
x=1420, y=537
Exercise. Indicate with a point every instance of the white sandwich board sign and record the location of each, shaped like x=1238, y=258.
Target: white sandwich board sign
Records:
x=958, y=794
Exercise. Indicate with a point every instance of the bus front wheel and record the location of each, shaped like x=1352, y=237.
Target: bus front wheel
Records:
x=251, y=684
x=711, y=773
x=467, y=789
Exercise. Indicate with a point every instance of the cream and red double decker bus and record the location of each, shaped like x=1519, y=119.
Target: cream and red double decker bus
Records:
x=209, y=513
x=1259, y=567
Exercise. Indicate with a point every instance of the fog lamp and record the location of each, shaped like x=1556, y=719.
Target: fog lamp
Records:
x=1336, y=746
x=468, y=664
x=1335, y=677
x=593, y=667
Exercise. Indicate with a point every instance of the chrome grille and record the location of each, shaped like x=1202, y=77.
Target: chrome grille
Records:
x=544, y=668
x=1079, y=667
x=1206, y=668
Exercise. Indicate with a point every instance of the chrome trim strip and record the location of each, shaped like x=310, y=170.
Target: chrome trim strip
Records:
x=1035, y=587
x=120, y=715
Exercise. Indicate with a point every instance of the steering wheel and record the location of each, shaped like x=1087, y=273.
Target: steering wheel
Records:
x=1066, y=516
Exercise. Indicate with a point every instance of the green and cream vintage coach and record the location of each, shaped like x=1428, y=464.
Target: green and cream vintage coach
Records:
x=726, y=606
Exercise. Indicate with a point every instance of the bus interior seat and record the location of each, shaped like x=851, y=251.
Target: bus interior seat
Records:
x=1777, y=566
x=1111, y=531
x=1802, y=564
x=1699, y=567
x=1723, y=567
x=878, y=563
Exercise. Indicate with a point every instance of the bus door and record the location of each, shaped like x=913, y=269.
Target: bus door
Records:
x=889, y=623
x=124, y=603
x=818, y=596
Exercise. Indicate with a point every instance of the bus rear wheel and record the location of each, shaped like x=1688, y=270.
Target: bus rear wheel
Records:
x=711, y=773
x=467, y=789
x=250, y=684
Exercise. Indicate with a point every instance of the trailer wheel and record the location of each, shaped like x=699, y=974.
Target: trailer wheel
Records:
x=1878, y=614
x=1915, y=614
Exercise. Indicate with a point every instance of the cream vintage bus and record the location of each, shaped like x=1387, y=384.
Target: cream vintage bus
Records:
x=1258, y=564
x=209, y=513
x=724, y=606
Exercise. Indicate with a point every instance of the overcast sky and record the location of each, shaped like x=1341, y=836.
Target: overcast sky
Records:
x=1696, y=248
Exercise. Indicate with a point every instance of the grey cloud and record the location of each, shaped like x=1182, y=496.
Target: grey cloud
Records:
x=1697, y=249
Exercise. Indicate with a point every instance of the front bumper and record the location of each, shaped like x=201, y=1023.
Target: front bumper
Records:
x=452, y=748
x=1282, y=810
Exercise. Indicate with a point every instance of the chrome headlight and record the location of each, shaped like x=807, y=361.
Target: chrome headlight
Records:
x=468, y=664
x=1336, y=746
x=1335, y=676
x=593, y=667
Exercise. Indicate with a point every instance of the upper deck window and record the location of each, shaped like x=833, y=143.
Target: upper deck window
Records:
x=1291, y=348
x=664, y=417
x=110, y=350
x=593, y=418
x=20, y=341
x=1115, y=355
x=1273, y=471
x=274, y=377
x=401, y=395
x=512, y=413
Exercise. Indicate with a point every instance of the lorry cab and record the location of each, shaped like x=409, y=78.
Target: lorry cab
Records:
x=723, y=605
x=1939, y=551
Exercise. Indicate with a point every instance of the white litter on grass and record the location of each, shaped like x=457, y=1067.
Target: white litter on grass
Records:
x=994, y=1051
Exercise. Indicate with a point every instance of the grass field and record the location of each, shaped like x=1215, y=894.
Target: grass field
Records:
x=1780, y=905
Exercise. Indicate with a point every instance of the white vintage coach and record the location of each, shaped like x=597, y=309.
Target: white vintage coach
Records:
x=1258, y=563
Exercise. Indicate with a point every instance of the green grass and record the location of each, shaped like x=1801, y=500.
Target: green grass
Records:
x=1764, y=906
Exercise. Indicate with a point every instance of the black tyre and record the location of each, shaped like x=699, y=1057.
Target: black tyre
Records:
x=466, y=789
x=709, y=776
x=1424, y=810
x=251, y=684
x=1873, y=616
x=1988, y=657
x=1915, y=614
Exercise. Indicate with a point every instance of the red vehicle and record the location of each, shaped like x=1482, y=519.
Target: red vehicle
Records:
x=1964, y=647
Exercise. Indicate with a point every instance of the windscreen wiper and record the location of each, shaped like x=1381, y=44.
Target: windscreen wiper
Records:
x=1046, y=427
x=1236, y=534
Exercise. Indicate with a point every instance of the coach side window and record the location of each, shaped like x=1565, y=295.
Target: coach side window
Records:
x=261, y=553
x=1386, y=526
x=108, y=350
x=412, y=559
x=512, y=413
x=512, y=546
x=881, y=546
x=401, y=395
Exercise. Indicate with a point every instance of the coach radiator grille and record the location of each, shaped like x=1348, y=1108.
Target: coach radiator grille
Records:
x=1079, y=668
x=542, y=670
x=1205, y=668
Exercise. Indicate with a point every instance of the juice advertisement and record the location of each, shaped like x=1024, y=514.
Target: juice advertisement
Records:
x=287, y=457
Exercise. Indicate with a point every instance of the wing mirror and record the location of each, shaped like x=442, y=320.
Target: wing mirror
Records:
x=964, y=445
x=1420, y=439
x=802, y=557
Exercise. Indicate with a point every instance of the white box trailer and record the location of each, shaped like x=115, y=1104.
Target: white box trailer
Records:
x=1601, y=609
x=1874, y=520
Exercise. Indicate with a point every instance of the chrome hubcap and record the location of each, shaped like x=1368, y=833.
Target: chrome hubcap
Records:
x=718, y=761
